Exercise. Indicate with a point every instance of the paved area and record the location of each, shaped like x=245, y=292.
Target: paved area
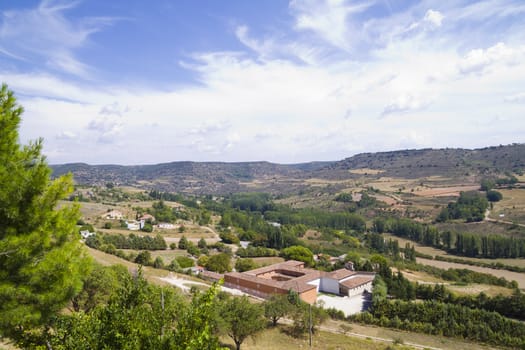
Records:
x=349, y=306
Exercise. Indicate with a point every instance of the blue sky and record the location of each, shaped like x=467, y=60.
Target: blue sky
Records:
x=135, y=82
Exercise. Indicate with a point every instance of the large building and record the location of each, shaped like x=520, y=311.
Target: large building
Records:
x=293, y=276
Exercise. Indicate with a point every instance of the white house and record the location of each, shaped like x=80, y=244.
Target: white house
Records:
x=113, y=215
x=166, y=225
x=85, y=234
x=133, y=225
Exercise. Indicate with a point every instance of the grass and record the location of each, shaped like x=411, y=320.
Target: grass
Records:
x=407, y=337
x=512, y=206
x=263, y=261
x=151, y=274
x=509, y=275
x=277, y=339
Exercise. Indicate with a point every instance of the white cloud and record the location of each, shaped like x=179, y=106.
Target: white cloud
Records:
x=478, y=60
x=517, y=98
x=209, y=127
x=66, y=135
x=405, y=103
x=433, y=17
x=114, y=109
x=108, y=128
x=329, y=19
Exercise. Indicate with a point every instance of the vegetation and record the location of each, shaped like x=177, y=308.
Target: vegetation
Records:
x=241, y=319
x=299, y=253
x=41, y=260
x=467, y=244
x=246, y=264
x=470, y=206
x=131, y=241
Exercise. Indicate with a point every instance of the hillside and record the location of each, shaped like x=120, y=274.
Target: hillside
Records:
x=448, y=162
x=219, y=177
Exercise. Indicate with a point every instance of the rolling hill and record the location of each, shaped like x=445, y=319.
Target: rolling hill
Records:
x=221, y=177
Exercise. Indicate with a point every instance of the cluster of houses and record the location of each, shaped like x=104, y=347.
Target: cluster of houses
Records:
x=135, y=225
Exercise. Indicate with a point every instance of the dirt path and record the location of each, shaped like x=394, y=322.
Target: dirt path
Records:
x=509, y=275
x=498, y=221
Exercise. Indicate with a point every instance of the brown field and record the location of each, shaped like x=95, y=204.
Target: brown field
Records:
x=366, y=171
x=384, y=198
x=509, y=275
x=444, y=191
x=389, y=184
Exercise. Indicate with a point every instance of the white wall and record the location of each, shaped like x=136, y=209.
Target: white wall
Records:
x=316, y=283
x=329, y=285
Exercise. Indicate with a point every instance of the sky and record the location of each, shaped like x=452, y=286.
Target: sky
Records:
x=144, y=82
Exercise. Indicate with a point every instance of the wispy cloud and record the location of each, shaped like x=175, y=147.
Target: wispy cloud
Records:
x=329, y=19
x=45, y=34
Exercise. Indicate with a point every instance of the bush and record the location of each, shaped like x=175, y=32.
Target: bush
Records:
x=184, y=261
x=494, y=196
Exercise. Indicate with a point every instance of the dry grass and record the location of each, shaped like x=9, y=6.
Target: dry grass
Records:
x=512, y=206
x=475, y=289
x=277, y=339
x=263, y=261
x=444, y=191
x=471, y=289
x=415, y=338
x=366, y=171
x=150, y=273
x=168, y=255
x=509, y=275
x=6, y=345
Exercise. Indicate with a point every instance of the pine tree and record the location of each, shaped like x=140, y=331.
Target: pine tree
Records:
x=41, y=259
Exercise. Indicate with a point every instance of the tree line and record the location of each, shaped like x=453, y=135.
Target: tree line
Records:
x=131, y=241
x=443, y=318
x=466, y=244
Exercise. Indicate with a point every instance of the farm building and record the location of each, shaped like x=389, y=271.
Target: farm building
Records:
x=113, y=215
x=292, y=275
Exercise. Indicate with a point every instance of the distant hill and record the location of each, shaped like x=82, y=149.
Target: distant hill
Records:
x=218, y=177
x=448, y=162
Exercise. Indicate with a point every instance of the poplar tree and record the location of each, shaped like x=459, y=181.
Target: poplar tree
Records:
x=41, y=259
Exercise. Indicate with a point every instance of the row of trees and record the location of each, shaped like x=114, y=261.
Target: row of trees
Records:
x=447, y=319
x=467, y=244
x=445, y=314
x=131, y=241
